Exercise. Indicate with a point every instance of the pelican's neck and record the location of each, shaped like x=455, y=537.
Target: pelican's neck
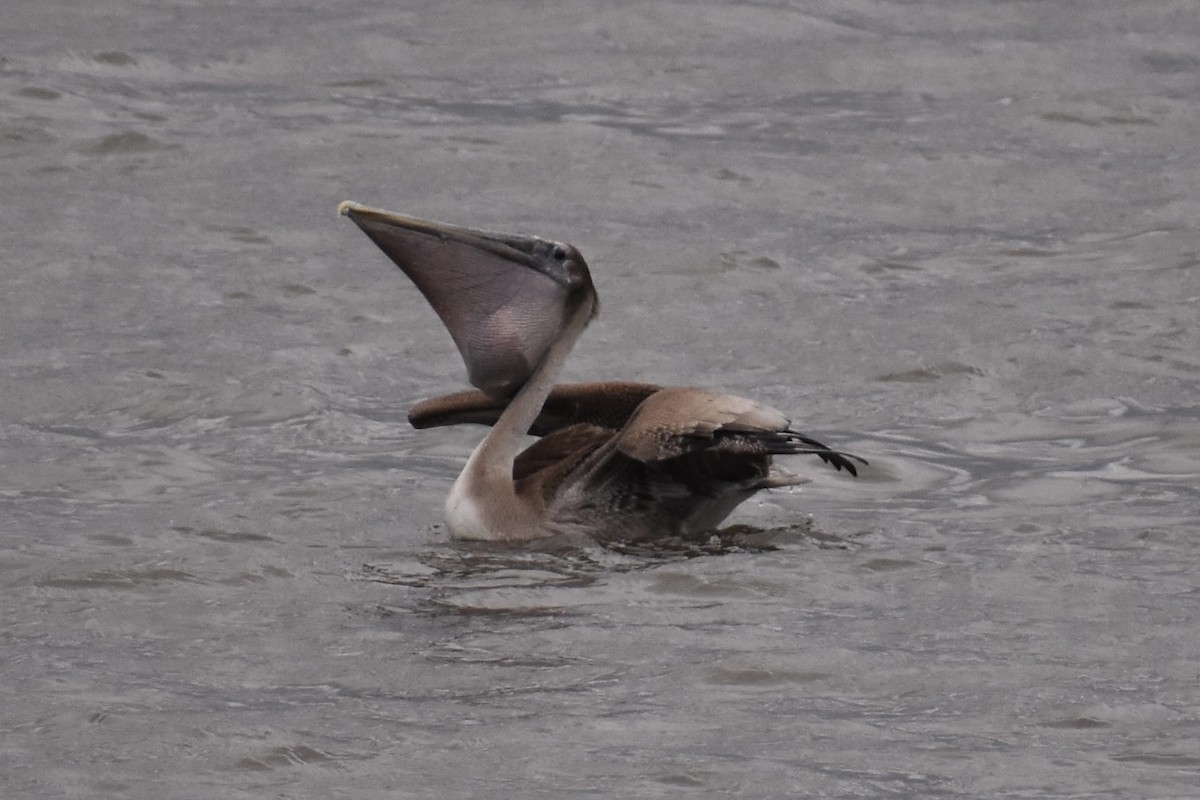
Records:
x=483, y=504
x=502, y=444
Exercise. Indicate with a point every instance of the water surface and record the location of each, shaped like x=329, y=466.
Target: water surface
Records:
x=959, y=239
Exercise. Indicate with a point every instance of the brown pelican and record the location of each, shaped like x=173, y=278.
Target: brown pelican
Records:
x=615, y=460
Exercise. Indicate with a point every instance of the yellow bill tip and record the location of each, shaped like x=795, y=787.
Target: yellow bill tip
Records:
x=346, y=206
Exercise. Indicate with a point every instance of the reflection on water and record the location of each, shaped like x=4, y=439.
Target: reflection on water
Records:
x=957, y=239
x=523, y=578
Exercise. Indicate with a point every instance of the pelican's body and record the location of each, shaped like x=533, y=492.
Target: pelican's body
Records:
x=615, y=460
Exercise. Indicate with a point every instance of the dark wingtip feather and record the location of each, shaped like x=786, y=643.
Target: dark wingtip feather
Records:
x=836, y=458
x=777, y=443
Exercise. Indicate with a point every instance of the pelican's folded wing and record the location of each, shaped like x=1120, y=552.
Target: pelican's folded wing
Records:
x=677, y=423
x=606, y=404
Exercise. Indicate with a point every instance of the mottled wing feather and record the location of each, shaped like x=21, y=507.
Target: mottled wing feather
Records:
x=674, y=423
x=608, y=404
x=546, y=463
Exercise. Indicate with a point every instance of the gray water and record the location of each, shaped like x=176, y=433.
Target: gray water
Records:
x=959, y=238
